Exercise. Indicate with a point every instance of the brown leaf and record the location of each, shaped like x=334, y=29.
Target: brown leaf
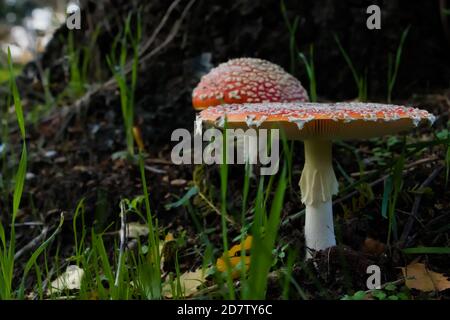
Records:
x=138, y=138
x=420, y=278
x=373, y=246
x=168, y=252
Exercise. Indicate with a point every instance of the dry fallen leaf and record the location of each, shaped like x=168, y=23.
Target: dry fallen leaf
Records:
x=178, y=182
x=419, y=277
x=69, y=280
x=169, y=237
x=189, y=281
x=168, y=250
x=373, y=246
x=235, y=259
x=138, y=137
x=136, y=230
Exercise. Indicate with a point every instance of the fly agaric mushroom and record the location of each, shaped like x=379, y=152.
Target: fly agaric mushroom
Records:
x=247, y=80
x=317, y=124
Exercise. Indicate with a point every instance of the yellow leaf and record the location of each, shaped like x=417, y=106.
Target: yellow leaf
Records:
x=138, y=138
x=419, y=277
x=235, y=259
x=169, y=237
x=190, y=281
x=168, y=251
x=373, y=246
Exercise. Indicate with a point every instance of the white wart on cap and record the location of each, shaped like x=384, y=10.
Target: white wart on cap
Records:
x=303, y=120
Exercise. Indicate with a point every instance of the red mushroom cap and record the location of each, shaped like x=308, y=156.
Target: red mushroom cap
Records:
x=247, y=80
x=320, y=120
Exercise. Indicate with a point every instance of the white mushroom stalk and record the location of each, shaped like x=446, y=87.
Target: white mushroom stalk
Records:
x=318, y=184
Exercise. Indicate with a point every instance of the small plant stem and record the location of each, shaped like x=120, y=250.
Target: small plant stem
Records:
x=123, y=239
x=416, y=205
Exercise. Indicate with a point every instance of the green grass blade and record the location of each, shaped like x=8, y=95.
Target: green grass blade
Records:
x=397, y=184
x=288, y=274
x=245, y=192
x=310, y=71
x=349, y=62
x=7, y=252
x=264, y=243
x=447, y=165
x=20, y=182
x=386, y=196
x=16, y=97
x=31, y=262
x=79, y=244
x=393, y=74
x=427, y=250
x=153, y=236
x=223, y=193
x=292, y=29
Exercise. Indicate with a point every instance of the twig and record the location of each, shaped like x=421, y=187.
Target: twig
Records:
x=33, y=243
x=344, y=198
x=155, y=170
x=28, y=224
x=123, y=239
x=354, y=193
x=337, y=201
x=407, y=166
x=112, y=81
x=415, y=208
x=45, y=282
x=159, y=161
x=155, y=33
x=213, y=207
x=172, y=33
x=205, y=291
x=143, y=56
x=384, y=285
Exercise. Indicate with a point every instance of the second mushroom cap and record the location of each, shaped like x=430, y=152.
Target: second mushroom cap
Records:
x=247, y=80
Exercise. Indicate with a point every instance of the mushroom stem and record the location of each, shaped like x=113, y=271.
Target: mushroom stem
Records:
x=318, y=184
x=319, y=228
